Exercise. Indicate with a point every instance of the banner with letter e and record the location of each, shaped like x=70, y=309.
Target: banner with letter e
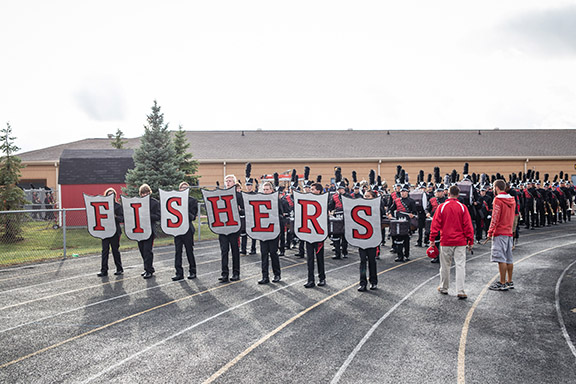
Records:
x=311, y=216
x=262, y=219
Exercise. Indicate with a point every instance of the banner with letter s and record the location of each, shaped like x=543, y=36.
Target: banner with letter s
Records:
x=362, y=222
x=222, y=210
x=174, y=219
x=100, y=216
x=137, y=222
x=311, y=216
x=262, y=219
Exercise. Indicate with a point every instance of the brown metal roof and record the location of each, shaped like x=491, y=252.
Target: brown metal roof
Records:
x=354, y=144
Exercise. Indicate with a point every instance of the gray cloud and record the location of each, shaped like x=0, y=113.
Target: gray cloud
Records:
x=101, y=99
x=549, y=32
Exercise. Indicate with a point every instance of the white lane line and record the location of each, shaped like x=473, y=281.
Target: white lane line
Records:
x=87, y=274
x=355, y=351
x=114, y=298
x=461, y=376
x=559, y=312
x=133, y=356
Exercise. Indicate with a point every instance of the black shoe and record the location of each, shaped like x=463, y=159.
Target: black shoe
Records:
x=281, y=254
x=373, y=287
x=264, y=281
x=191, y=276
x=345, y=256
x=436, y=260
x=322, y=283
x=276, y=279
x=143, y=273
x=309, y=284
x=177, y=277
x=147, y=275
x=235, y=278
x=406, y=258
x=223, y=279
x=399, y=259
x=118, y=273
x=102, y=274
x=392, y=250
x=299, y=255
x=252, y=253
x=336, y=257
x=362, y=288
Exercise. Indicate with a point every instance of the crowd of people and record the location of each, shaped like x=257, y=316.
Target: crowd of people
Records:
x=448, y=215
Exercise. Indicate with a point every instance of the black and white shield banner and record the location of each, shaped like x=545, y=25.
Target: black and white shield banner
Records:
x=222, y=210
x=174, y=219
x=311, y=216
x=100, y=216
x=137, y=223
x=262, y=220
x=362, y=222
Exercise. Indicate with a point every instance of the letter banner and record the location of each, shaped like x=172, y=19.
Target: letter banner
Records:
x=100, y=216
x=262, y=219
x=222, y=210
x=362, y=222
x=311, y=216
x=174, y=218
x=137, y=222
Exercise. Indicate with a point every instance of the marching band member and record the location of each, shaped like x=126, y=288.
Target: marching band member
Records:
x=145, y=246
x=368, y=255
x=406, y=206
x=230, y=242
x=186, y=240
x=250, y=188
x=114, y=241
x=315, y=251
x=335, y=206
x=269, y=248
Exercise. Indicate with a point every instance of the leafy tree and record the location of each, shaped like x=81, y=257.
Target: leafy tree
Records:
x=119, y=141
x=155, y=161
x=186, y=162
x=11, y=196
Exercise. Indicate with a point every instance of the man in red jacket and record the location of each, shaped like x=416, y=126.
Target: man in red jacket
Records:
x=501, y=232
x=453, y=221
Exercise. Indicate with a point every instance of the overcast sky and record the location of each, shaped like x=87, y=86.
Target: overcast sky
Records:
x=71, y=70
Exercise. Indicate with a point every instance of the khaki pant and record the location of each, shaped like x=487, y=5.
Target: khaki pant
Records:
x=459, y=255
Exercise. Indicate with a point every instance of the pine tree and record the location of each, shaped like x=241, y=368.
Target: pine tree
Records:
x=118, y=141
x=186, y=162
x=11, y=196
x=155, y=161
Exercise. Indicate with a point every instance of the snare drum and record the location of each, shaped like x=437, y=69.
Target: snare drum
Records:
x=336, y=225
x=399, y=227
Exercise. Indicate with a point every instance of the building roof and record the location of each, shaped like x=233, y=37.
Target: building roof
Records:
x=354, y=145
x=94, y=166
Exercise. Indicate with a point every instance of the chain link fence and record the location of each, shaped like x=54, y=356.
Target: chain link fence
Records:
x=39, y=233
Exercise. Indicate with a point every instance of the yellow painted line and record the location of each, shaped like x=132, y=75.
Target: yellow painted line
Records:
x=88, y=287
x=261, y=341
x=468, y=319
x=130, y=317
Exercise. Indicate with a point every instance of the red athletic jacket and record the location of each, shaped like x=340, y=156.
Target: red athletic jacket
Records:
x=453, y=221
x=503, y=212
